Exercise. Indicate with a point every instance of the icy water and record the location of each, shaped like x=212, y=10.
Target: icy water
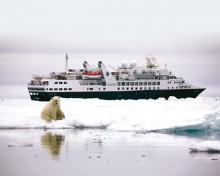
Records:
x=101, y=152
x=99, y=137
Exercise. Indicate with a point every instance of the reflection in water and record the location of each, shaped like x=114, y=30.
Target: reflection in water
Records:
x=205, y=155
x=53, y=143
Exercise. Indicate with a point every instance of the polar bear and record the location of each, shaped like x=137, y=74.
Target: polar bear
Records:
x=52, y=110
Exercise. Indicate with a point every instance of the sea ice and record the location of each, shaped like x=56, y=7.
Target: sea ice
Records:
x=206, y=146
x=173, y=115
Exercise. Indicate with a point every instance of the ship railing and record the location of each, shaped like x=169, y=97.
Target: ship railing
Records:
x=37, y=84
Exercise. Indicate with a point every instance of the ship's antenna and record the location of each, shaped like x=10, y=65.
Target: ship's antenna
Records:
x=66, y=64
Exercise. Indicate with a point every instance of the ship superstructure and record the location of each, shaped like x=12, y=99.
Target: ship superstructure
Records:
x=128, y=81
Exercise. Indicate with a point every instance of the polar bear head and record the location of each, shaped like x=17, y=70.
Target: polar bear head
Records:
x=55, y=100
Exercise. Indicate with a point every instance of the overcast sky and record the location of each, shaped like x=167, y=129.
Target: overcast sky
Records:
x=32, y=31
x=84, y=25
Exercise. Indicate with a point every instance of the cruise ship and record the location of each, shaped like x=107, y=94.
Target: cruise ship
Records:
x=127, y=81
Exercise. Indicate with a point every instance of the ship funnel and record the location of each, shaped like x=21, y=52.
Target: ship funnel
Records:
x=66, y=64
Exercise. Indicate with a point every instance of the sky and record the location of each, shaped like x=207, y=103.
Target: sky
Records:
x=35, y=35
x=137, y=25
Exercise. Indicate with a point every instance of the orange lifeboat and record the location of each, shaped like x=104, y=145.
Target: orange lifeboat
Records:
x=92, y=75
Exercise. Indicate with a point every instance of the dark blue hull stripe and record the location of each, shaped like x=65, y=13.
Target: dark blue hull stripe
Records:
x=115, y=95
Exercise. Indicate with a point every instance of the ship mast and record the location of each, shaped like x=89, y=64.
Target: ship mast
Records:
x=66, y=64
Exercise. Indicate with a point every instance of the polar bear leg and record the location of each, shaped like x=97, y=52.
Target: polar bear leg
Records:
x=60, y=115
x=46, y=118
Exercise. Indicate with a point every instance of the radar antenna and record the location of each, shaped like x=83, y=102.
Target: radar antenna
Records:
x=66, y=64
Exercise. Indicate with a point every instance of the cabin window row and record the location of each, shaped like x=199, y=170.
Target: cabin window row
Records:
x=138, y=88
x=51, y=89
x=138, y=83
x=91, y=83
x=175, y=82
x=60, y=82
x=36, y=88
x=99, y=88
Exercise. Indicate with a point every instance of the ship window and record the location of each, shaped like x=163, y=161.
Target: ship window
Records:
x=127, y=88
x=132, y=88
x=51, y=89
x=158, y=83
x=55, y=89
x=90, y=88
x=158, y=88
x=60, y=88
x=145, y=83
x=153, y=83
x=145, y=88
x=132, y=83
x=168, y=88
x=60, y=82
x=172, y=87
x=153, y=87
x=136, y=88
x=65, y=82
x=45, y=83
x=140, y=88
x=55, y=82
x=65, y=88
x=119, y=83
x=140, y=83
x=149, y=83
x=127, y=83
x=136, y=83
x=70, y=88
x=122, y=88
x=103, y=88
x=149, y=88
x=123, y=83
x=118, y=88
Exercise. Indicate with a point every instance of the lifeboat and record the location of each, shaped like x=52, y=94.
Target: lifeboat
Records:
x=92, y=75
